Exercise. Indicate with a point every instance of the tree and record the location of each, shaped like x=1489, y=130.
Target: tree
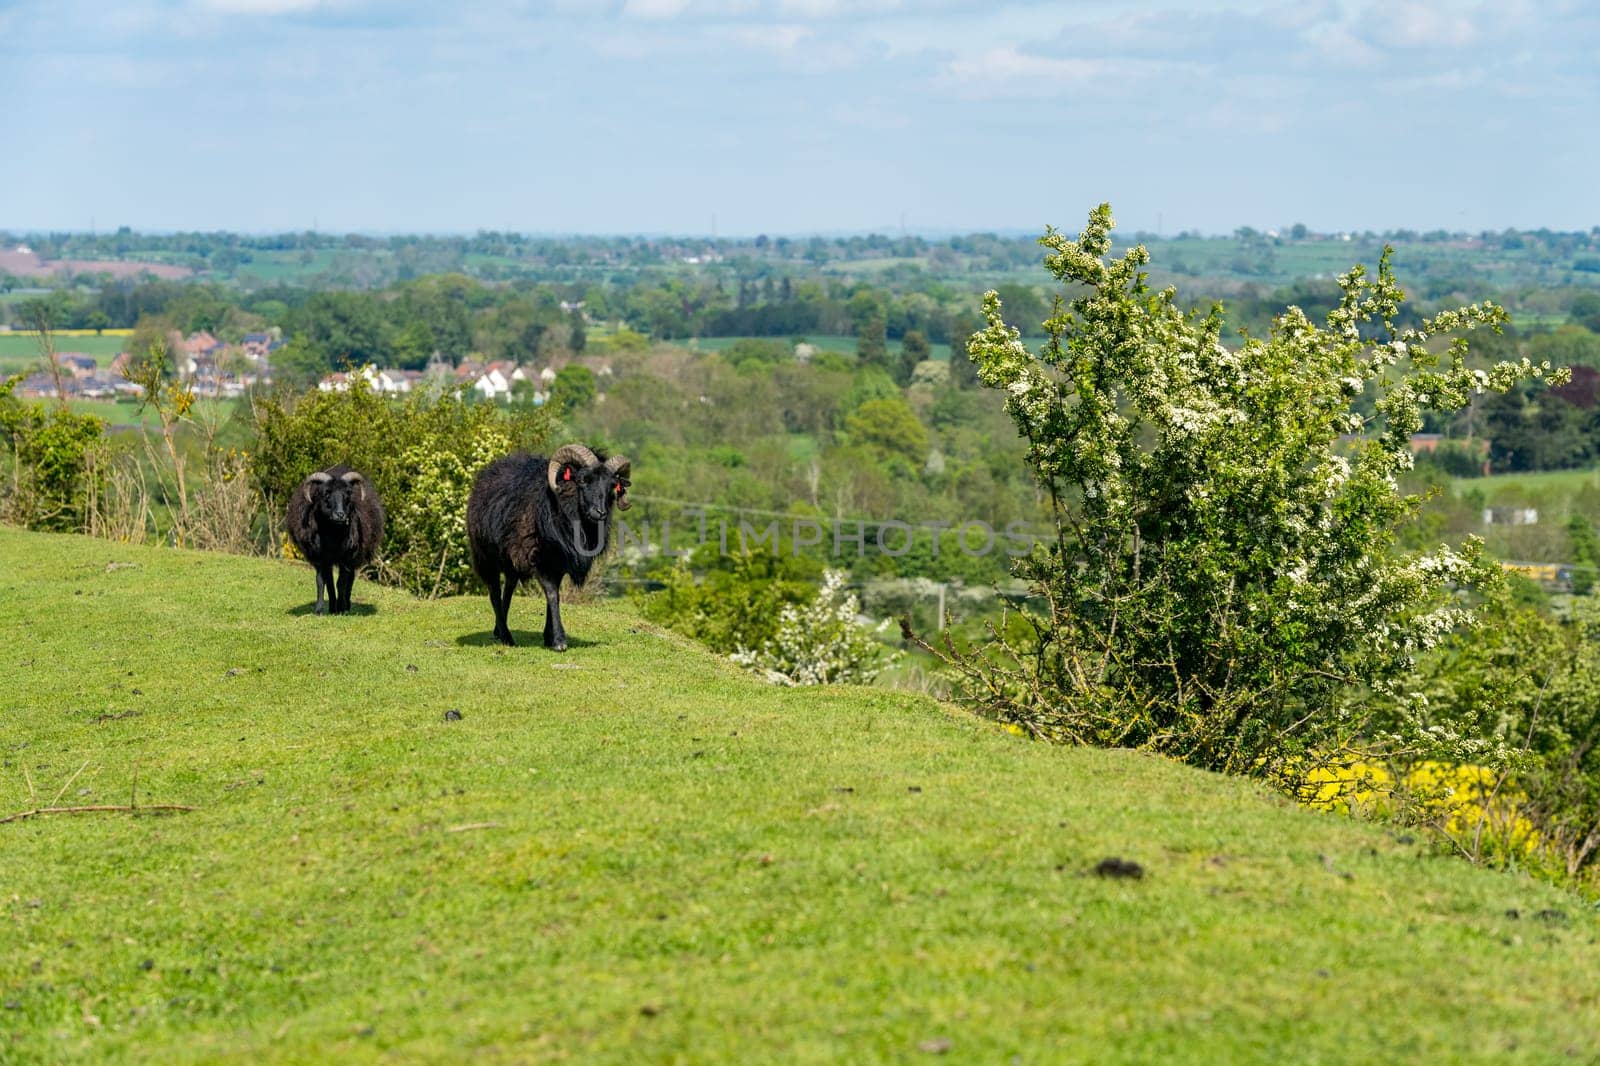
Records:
x=1585, y=554
x=345, y=327
x=578, y=339
x=1586, y=311
x=574, y=387
x=44, y=315
x=872, y=343
x=963, y=371
x=888, y=424
x=914, y=348
x=298, y=364
x=1225, y=584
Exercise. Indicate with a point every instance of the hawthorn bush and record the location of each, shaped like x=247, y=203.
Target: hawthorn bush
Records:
x=1224, y=584
x=420, y=453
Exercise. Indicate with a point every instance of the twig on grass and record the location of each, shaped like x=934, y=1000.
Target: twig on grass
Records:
x=123, y=807
x=63, y=790
x=472, y=825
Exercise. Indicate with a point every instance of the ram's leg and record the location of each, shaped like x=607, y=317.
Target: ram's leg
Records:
x=324, y=583
x=555, y=637
x=347, y=580
x=502, y=612
x=493, y=583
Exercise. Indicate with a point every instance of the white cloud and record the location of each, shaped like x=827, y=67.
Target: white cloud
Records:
x=1416, y=25
x=779, y=37
x=259, y=7
x=1008, y=64
x=654, y=9
x=1006, y=71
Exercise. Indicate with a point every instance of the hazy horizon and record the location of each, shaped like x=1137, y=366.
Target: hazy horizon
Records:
x=674, y=118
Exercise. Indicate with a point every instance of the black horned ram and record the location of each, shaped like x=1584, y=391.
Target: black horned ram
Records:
x=544, y=519
x=335, y=519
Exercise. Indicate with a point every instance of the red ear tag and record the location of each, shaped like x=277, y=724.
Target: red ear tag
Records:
x=619, y=490
x=566, y=475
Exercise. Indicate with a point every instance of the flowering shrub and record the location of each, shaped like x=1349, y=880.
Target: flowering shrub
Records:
x=1530, y=683
x=1224, y=584
x=820, y=643
x=420, y=453
x=1476, y=809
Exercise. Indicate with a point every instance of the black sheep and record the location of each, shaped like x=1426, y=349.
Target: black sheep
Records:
x=335, y=519
x=532, y=517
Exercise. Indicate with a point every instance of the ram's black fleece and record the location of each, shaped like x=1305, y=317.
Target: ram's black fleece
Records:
x=544, y=519
x=335, y=519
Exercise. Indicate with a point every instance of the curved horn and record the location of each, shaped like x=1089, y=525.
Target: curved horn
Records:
x=619, y=468
x=351, y=476
x=314, y=482
x=569, y=453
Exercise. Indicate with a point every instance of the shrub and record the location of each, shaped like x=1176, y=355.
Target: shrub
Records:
x=820, y=643
x=49, y=450
x=1472, y=808
x=731, y=608
x=420, y=453
x=1223, y=585
x=1529, y=684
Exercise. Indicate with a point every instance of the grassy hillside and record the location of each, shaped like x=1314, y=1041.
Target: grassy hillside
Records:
x=635, y=853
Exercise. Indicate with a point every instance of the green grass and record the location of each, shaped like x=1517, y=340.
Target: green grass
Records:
x=636, y=853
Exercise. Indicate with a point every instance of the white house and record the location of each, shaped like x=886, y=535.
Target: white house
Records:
x=393, y=381
x=341, y=382
x=493, y=384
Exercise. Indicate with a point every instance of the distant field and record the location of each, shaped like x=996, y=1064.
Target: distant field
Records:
x=1548, y=483
x=129, y=414
x=831, y=343
x=286, y=267
x=19, y=353
x=23, y=345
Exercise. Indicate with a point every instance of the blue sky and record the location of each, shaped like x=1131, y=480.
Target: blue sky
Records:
x=796, y=116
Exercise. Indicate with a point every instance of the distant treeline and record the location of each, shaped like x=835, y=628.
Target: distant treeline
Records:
x=354, y=260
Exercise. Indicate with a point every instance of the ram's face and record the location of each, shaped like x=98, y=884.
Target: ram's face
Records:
x=336, y=501
x=591, y=490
